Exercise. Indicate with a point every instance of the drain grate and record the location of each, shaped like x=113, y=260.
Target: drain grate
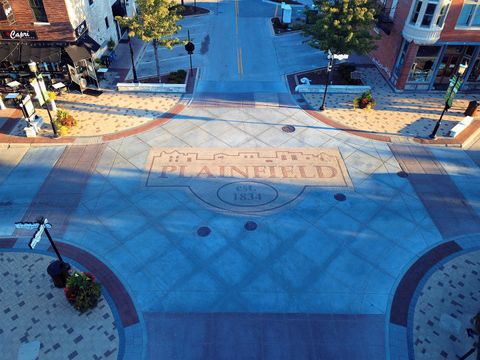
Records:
x=203, y=231
x=288, y=128
x=340, y=197
x=402, y=174
x=250, y=225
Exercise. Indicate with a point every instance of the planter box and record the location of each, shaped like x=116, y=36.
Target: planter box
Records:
x=332, y=89
x=155, y=88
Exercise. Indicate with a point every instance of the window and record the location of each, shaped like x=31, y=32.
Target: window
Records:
x=106, y=22
x=422, y=68
x=38, y=10
x=416, y=12
x=475, y=73
x=428, y=16
x=401, y=57
x=470, y=14
x=442, y=15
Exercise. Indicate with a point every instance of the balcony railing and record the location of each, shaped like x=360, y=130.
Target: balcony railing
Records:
x=421, y=35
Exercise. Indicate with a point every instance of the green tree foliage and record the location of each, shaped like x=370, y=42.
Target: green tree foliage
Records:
x=343, y=26
x=156, y=21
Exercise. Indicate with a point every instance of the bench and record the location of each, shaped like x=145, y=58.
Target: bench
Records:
x=462, y=125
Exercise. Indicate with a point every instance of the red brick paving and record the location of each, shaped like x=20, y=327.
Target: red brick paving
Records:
x=446, y=205
x=61, y=192
x=107, y=278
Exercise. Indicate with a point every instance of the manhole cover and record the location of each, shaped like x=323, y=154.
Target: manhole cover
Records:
x=402, y=174
x=203, y=231
x=250, y=225
x=340, y=197
x=288, y=128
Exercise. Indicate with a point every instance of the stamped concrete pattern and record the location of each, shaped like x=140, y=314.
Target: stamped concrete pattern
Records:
x=448, y=299
x=32, y=309
x=246, y=179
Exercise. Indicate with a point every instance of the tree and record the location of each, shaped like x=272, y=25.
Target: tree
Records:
x=343, y=26
x=155, y=22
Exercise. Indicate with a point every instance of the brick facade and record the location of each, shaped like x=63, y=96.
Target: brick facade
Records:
x=60, y=28
x=388, y=47
x=450, y=34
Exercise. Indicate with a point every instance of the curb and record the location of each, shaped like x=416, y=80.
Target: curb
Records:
x=466, y=138
x=7, y=141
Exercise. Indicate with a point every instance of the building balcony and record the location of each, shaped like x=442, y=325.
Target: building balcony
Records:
x=421, y=35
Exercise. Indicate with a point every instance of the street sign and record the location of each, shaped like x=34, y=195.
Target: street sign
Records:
x=189, y=47
x=38, y=234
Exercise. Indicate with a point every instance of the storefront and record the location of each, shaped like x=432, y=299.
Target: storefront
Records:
x=71, y=63
x=434, y=65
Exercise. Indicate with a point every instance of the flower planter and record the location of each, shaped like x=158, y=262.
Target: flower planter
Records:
x=82, y=291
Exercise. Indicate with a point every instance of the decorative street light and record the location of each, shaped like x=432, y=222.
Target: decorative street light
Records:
x=455, y=83
x=33, y=68
x=331, y=62
x=329, y=70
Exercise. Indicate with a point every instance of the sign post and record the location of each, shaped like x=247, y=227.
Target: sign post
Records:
x=189, y=47
x=57, y=269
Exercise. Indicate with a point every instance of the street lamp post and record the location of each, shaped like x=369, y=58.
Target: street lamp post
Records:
x=329, y=69
x=134, y=70
x=453, y=88
x=33, y=68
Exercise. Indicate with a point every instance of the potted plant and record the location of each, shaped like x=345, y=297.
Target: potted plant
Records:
x=111, y=44
x=51, y=96
x=64, y=121
x=82, y=291
x=364, y=101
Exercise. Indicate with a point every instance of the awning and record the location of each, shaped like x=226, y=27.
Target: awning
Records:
x=88, y=42
x=45, y=54
x=77, y=53
x=23, y=53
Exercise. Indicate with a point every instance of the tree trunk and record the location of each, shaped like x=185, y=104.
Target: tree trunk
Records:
x=183, y=4
x=157, y=61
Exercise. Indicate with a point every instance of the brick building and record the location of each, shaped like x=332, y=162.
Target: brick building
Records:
x=58, y=34
x=424, y=42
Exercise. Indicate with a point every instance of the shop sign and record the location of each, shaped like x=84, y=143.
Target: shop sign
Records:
x=19, y=35
x=80, y=30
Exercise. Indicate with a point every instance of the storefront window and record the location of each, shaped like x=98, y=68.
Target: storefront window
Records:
x=475, y=73
x=422, y=68
x=401, y=57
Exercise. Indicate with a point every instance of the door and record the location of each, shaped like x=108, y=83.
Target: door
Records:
x=448, y=66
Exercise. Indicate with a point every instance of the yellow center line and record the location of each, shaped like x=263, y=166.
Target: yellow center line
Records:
x=241, y=62
x=236, y=16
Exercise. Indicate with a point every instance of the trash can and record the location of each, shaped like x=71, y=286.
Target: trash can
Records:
x=58, y=271
x=471, y=109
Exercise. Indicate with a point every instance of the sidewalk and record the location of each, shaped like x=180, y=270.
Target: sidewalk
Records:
x=37, y=313
x=399, y=114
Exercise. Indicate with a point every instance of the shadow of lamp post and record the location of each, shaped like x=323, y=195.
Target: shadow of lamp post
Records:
x=134, y=70
x=455, y=83
x=34, y=70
